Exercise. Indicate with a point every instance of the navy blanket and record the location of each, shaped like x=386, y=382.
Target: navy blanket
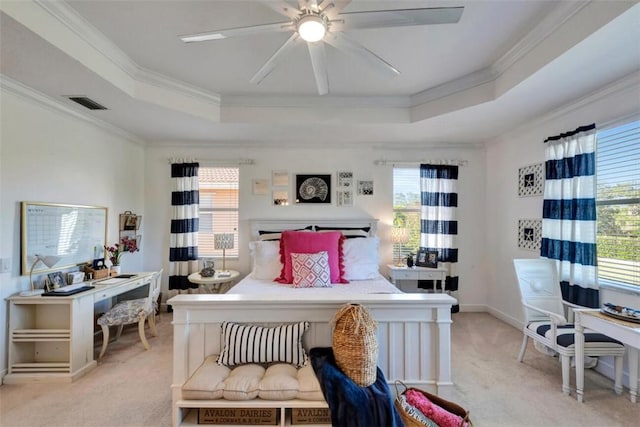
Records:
x=351, y=405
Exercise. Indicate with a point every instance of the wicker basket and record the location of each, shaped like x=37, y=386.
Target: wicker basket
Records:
x=410, y=421
x=355, y=344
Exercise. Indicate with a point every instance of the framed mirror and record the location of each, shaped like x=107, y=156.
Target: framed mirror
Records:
x=70, y=234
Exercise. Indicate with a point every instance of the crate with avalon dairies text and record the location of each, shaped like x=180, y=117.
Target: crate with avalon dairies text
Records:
x=310, y=416
x=261, y=416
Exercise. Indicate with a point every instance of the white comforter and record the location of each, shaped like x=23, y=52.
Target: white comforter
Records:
x=251, y=286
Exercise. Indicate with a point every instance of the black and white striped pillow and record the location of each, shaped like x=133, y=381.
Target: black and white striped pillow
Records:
x=261, y=344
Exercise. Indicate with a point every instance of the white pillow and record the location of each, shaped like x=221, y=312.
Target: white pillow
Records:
x=311, y=270
x=265, y=257
x=361, y=259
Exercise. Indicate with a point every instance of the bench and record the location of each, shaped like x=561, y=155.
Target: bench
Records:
x=279, y=386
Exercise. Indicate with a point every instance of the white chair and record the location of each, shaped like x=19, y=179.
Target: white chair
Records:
x=133, y=311
x=545, y=321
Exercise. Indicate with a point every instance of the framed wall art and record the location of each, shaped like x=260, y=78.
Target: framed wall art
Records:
x=281, y=198
x=531, y=180
x=280, y=178
x=314, y=188
x=365, y=188
x=344, y=198
x=530, y=234
x=260, y=186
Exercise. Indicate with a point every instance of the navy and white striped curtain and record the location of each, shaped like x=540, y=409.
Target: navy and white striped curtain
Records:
x=183, y=243
x=569, y=213
x=439, y=225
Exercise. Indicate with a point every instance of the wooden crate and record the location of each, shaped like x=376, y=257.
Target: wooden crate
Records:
x=97, y=274
x=262, y=416
x=310, y=416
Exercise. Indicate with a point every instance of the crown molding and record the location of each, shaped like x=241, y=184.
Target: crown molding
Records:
x=55, y=105
x=625, y=84
x=547, y=26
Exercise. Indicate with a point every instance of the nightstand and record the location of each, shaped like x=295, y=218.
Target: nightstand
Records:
x=217, y=284
x=398, y=274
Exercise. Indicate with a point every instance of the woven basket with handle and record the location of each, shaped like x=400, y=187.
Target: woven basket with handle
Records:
x=410, y=421
x=355, y=344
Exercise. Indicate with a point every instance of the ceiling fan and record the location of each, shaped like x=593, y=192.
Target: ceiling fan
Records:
x=320, y=22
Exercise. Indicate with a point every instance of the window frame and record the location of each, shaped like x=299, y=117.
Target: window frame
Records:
x=205, y=210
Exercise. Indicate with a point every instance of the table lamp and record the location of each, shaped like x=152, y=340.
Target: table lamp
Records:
x=49, y=261
x=399, y=236
x=223, y=241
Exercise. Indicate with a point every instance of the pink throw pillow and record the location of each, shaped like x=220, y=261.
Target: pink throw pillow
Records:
x=305, y=242
x=311, y=270
x=439, y=415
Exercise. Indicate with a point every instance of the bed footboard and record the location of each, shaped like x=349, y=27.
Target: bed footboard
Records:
x=414, y=330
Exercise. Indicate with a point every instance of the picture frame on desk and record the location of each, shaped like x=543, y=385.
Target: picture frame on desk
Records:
x=56, y=280
x=426, y=258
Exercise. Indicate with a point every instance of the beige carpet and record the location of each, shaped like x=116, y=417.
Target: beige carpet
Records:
x=130, y=386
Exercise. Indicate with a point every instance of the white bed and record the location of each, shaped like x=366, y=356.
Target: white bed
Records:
x=413, y=329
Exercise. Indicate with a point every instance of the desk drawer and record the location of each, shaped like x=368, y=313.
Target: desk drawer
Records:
x=430, y=275
x=109, y=291
x=405, y=275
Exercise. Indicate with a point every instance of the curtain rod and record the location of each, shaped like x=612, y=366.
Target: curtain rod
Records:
x=212, y=161
x=383, y=162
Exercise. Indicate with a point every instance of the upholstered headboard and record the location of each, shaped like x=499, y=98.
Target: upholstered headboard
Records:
x=294, y=224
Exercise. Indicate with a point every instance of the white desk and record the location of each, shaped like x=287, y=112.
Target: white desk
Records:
x=51, y=338
x=398, y=274
x=215, y=284
x=625, y=332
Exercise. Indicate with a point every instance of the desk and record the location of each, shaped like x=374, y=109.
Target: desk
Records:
x=51, y=338
x=626, y=332
x=215, y=284
x=397, y=274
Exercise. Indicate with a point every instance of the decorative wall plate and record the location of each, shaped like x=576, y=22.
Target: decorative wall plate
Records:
x=531, y=180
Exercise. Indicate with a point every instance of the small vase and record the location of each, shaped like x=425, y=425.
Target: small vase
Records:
x=115, y=270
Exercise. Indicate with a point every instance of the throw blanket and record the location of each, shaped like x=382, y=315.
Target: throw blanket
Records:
x=351, y=405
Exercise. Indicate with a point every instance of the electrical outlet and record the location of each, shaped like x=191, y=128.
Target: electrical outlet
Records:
x=5, y=265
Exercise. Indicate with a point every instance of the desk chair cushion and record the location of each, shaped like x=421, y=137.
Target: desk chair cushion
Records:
x=566, y=336
x=125, y=312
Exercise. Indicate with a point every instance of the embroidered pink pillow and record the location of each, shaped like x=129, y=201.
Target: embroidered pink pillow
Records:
x=305, y=242
x=311, y=270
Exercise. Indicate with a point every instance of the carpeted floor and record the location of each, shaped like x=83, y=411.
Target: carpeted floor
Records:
x=131, y=387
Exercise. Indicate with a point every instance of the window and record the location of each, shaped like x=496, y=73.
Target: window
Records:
x=406, y=207
x=618, y=204
x=219, y=201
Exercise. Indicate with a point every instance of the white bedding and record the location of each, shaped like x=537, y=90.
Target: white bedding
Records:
x=258, y=287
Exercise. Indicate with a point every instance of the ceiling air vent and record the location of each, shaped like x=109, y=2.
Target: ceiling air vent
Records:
x=87, y=102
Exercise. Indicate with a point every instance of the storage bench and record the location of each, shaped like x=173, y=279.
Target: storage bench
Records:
x=278, y=386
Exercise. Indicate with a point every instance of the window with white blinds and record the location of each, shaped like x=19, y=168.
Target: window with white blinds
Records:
x=219, y=206
x=618, y=204
x=406, y=208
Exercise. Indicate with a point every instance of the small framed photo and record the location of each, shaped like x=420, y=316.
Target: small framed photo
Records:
x=365, y=188
x=280, y=178
x=426, y=258
x=260, y=186
x=345, y=179
x=281, y=198
x=56, y=280
x=531, y=180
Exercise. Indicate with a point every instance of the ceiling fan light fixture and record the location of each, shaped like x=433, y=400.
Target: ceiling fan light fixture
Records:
x=312, y=28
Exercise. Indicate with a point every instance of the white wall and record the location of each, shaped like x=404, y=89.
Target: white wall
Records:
x=326, y=160
x=523, y=147
x=50, y=156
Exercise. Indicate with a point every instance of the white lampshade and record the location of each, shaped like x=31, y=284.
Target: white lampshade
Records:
x=400, y=235
x=49, y=261
x=312, y=28
x=223, y=241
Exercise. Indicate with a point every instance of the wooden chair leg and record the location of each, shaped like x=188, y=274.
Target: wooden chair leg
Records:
x=105, y=340
x=618, y=381
x=523, y=348
x=152, y=324
x=566, y=369
x=120, y=328
x=145, y=343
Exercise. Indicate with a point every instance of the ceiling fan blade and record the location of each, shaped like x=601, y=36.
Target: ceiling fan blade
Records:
x=350, y=47
x=238, y=32
x=283, y=8
x=319, y=64
x=397, y=18
x=271, y=63
x=332, y=8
